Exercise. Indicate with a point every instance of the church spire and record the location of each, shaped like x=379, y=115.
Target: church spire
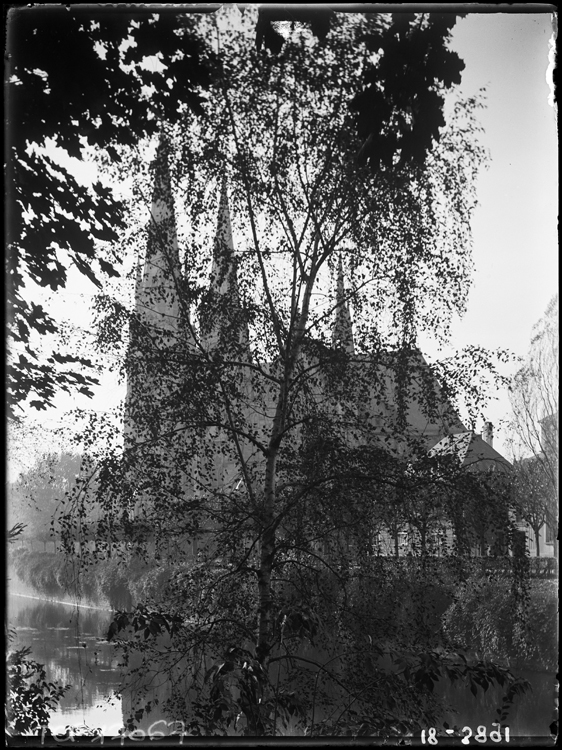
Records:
x=342, y=334
x=223, y=274
x=222, y=318
x=158, y=295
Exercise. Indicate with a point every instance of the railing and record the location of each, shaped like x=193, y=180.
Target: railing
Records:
x=544, y=567
x=538, y=567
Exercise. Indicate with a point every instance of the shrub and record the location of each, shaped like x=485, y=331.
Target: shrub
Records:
x=482, y=619
x=30, y=699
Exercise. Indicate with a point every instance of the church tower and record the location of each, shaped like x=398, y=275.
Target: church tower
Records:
x=158, y=297
x=224, y=326
x=158, y=328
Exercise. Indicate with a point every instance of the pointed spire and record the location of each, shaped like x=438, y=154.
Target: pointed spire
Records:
x=223, y=274
x=222, y=318
x=158, y=295
x=162, y=230
x=162, y=202
x=342, y=335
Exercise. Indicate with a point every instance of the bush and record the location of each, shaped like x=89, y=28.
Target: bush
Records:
x=31, y=699
x=119, y=583
x=483, y=619
x=47, y=572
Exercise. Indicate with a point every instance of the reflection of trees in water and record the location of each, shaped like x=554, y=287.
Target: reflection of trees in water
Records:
x=59, y=630
x=89, y=681
x=47, y=615
x=88, y=689
x=59, y=672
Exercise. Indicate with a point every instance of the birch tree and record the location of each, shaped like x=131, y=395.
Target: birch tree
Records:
x=264, y=429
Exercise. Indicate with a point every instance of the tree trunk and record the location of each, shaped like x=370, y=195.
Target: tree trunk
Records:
x=538, y=541
x=267, y=530
x=268, y=527
x=266, y=564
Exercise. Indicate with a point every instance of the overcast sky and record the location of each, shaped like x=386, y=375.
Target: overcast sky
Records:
x=515, y=226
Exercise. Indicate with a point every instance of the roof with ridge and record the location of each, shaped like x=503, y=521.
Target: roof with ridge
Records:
x=473, y=452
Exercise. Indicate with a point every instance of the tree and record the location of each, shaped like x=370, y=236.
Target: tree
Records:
x=262, y=437
x=37, y=495
x=536, y=502
x=534, y=400
x=54, y=222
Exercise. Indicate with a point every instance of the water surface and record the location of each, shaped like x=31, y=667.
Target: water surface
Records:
x=69, y=639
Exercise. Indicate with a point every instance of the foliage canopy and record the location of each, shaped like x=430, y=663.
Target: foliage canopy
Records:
x=55, y=222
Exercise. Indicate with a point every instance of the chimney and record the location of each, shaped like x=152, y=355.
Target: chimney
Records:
x=488, y=434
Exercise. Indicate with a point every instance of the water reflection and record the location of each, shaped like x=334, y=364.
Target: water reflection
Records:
x=70, y=641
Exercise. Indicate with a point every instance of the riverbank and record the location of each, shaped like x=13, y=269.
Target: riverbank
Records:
x=51, y=600
x=108, y=583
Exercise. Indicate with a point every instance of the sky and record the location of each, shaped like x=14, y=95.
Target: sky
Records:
x=515, y=226
x=515, y=235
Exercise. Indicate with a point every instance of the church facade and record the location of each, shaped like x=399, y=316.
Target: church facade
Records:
x=203, y=448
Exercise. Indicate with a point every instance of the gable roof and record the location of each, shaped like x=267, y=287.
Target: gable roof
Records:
x=473, y=453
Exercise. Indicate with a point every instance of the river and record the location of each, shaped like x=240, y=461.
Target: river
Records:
x=68, y=638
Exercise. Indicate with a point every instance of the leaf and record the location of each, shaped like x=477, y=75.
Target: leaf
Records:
x=108, y=268
x=39, y=405
x=112, y=151
x=113, y=630
x=84, y=268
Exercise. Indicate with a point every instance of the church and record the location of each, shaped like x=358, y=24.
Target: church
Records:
x=215, y=446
